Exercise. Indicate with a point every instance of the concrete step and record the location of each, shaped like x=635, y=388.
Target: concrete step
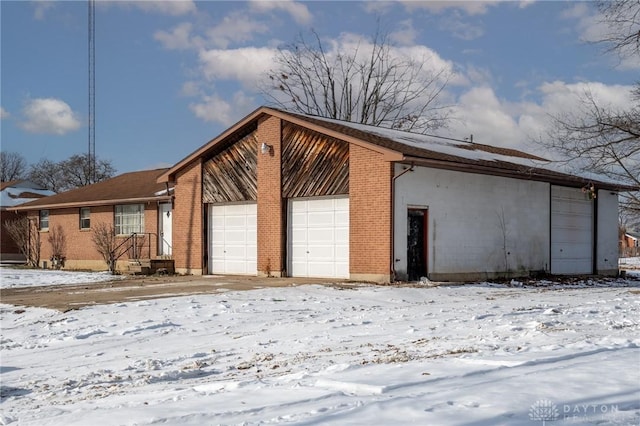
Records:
x=151, y=266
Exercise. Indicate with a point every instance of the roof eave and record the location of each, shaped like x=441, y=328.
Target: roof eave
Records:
x=389, y=154
x=534, y=175
x=94, y=203
x=168, y=176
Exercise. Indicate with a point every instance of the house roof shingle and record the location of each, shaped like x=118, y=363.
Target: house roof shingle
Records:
x=401, y=146
x=128, y=187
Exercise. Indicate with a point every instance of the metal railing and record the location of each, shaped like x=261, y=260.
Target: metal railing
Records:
x=133, y=246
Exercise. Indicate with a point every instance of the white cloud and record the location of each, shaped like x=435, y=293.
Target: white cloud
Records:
x=379, y=7
x=250, y=66
x=49, y=116
x=234, y=28
x=526, y=3
x=560, y=97
x=592, y=29
x=298, y=11
x=478, y=76
x=4, y=113
x=499, y=122
x=247, y=64
x=482, y=114
x=406, y=35
x=431, y=62
x=477, y=7
x=41, y=7
x=215, y=109
x=460, y=28
x=179, y=37
x=589, y=23
x=190, y=89
x=163, y=7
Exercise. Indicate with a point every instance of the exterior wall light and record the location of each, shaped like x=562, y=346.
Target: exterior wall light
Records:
x=265, y=148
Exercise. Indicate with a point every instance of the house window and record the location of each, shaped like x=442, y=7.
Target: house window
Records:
x=44, y=220
x=85, y=220
x=129, y=219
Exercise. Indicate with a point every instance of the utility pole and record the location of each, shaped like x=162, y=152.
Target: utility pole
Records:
x=92, y=92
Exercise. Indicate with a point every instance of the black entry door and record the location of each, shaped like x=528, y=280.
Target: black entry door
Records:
x=416, y=244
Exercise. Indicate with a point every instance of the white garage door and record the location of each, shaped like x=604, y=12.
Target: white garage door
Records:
x=571, y=231
x=232, y=239
x=318, y=240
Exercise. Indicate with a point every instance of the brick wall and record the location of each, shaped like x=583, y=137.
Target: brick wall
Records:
x=369, y=215
x=270, y=203
x=187, y=222
x=80, y=251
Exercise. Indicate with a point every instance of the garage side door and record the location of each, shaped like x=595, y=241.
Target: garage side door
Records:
x=318, y=241
x=571, y=231
x=233, y=239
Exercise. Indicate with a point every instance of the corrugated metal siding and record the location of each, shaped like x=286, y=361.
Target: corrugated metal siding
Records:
x=231, y=174
x=313, y=164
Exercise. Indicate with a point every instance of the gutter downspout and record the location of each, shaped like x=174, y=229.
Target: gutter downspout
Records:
x=393, y=225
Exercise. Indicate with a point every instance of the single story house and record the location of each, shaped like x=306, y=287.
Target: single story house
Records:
x=286, y=194
x=14, y=193
x=630, y=244
x=131, y=203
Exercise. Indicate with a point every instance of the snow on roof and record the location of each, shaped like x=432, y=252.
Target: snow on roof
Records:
x=468, y=150
x=15, y=193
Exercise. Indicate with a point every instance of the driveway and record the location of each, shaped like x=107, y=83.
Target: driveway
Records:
x=67, y=297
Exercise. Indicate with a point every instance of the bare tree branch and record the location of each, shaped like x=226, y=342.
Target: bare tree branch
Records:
x=370, y=84
x=104, y=239
x=622, y=20
x=604, y=139
x=73, y=172
x=25, y=234
x=12, y=166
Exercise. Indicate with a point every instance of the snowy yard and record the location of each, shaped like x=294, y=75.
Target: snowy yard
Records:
x=477, y=355
x=19, y=277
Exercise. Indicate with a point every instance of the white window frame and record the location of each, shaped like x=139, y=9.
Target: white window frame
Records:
x=43, y=220
x=129, y=219
x=85, y=218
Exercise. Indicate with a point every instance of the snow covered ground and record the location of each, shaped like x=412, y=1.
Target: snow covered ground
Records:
x=478, y=355
x=629, y=262
x=20, y=277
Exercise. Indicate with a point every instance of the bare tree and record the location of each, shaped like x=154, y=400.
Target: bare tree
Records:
x=604, y=139
x=12, y=166
x=25, y=234
x=77, y=171
x=621, y=18
x=58, y=241
x=47, y=174
x=373, y=83
x=74, y=172
x=104, y=239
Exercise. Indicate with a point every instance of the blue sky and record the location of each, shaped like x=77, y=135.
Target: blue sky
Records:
x=171, y=75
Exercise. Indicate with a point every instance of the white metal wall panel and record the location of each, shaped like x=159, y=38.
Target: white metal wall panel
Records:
x=233, y=239
x=571, y=231
x=319, y=237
